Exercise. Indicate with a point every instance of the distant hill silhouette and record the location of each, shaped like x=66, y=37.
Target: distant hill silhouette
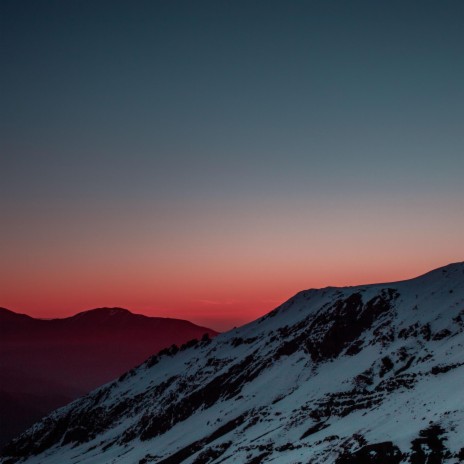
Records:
x=45, y=364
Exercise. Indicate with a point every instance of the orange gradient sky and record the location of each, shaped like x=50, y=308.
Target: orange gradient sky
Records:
x=207, y=160
x=222, y=269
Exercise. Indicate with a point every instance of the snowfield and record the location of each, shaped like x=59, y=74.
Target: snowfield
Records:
x=366, y=374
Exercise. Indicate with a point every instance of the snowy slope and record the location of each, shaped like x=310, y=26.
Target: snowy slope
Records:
x=338, y=375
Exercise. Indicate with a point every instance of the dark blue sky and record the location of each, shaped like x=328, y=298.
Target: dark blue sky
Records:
x=142, y=120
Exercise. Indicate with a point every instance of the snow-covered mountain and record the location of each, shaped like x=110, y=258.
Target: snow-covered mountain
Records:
x=367, y=374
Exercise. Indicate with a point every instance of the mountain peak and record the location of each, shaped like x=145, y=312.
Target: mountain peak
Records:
x=104, y=311
x=452, y=268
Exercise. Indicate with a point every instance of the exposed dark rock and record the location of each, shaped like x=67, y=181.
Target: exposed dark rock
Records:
x=334, y=329
x=226, y=386
x=429, y=447
x=364, y=379
x=75, y=435
x=171, y=351
x=325, y=335
x=354, y=348
x=206, y=339
x=406, y=366
x=426, y=332
x=378, y=453
x=460, y=455
x=443, y=368
x=343, y=403
x=387, y=366
x=410, y=331
x=394, y=383
x=287, y=446
x=237, y=341
x=259, y=459
x=313, y=429
x=384, y=333
x=212, y=453
x=193, y=448
x=442, y=334
x=189, y=344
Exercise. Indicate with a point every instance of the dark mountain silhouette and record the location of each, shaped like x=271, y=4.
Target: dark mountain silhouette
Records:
x=45, y=364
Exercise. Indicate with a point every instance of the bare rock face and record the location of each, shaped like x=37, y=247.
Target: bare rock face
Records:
x=357, y=375
x=386, y=453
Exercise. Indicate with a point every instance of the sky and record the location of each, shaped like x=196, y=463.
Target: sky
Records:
x=207, y=160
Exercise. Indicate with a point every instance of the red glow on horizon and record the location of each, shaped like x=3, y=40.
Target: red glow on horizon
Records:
x=217, y=304
x=221, y=265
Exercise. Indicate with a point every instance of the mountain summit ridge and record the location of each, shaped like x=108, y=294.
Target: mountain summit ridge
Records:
x=94, y=312
x=364, y=374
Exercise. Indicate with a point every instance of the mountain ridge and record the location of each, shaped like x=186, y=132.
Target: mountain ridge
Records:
x=361, y=374
x=95, y=313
